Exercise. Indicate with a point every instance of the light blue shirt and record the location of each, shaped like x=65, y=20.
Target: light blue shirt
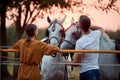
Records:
x=89, y=42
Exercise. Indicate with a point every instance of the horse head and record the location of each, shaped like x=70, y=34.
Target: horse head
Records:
x=72, y=34
x=55, y=31
x=55, y=35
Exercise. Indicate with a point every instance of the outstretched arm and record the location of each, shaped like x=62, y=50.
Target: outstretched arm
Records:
x=97, y=28
x=77, y=60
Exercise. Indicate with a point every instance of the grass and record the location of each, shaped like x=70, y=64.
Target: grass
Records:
x=74, y=74
x=10, y=67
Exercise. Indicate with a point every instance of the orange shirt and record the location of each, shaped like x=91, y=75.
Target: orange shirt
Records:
x=31, y=54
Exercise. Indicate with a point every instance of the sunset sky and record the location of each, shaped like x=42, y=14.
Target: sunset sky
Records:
x=109, y=21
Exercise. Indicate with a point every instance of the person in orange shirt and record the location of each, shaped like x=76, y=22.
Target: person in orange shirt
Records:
x=31, y=53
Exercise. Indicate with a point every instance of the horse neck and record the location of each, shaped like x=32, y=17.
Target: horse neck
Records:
x=106, y=43
x=58, y=57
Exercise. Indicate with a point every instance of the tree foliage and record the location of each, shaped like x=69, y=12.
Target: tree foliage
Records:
x=114, y=35
x=28, y=10
x=103, y=5
x=11, y=32
x=109, y=5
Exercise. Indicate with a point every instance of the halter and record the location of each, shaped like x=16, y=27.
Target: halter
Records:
x=70, y=26
x=78, y=32
x=53, y=29
x=69, y=42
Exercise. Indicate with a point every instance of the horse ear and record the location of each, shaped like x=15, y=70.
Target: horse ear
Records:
x=72, y=20
x=63, y=19
x=48, y=19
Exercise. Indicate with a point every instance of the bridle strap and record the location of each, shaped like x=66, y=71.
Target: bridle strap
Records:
x=69, y=42
x=55, y=38
x=70, y=26
x=57, y=23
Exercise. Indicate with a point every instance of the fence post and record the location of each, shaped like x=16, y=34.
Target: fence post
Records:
x=0, y=66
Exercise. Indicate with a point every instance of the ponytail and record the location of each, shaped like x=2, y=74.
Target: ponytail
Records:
x=28, y=39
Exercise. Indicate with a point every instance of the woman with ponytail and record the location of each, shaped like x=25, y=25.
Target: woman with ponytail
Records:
x=31, y=53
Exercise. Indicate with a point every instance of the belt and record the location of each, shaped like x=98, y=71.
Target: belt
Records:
x=30, y=64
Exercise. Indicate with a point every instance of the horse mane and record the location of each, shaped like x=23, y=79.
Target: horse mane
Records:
x=105, y=41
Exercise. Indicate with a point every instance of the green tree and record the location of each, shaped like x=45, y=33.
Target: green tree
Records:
x=27, y=12
x=8, y=5
x=24, y=7
x=10, y=34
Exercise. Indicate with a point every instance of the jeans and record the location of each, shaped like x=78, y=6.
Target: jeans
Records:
x=91, y=75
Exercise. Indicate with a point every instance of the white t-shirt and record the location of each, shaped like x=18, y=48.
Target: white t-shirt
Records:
x=89, y=42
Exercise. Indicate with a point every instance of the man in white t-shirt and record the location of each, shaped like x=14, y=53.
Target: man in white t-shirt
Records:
x=89, y=70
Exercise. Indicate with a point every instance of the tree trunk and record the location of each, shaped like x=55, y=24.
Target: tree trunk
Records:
x=17, y=37
x=4, y=71
x=0, y=44
x=19, y=31
x=16, y=67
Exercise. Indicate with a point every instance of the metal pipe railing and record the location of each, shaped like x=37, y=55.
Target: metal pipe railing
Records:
x=73, y=51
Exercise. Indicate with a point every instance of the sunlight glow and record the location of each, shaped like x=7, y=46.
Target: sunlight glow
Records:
x=108, y=21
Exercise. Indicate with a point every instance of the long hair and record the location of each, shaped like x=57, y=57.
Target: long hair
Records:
x=30, y=31
x=84, y=22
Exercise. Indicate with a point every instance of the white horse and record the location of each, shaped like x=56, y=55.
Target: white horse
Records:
x=108, y=62
x=72, y=34
x=109, y=72
x=50, y=67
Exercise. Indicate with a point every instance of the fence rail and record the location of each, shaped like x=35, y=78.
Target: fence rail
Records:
x=91, y=51
x=64, y=52
x=73, y=51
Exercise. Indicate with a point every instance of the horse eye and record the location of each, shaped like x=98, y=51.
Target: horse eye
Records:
x=74, y=33
x=62, y=30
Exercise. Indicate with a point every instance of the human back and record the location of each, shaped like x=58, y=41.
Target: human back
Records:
x=31, y=52
x=89, y=42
